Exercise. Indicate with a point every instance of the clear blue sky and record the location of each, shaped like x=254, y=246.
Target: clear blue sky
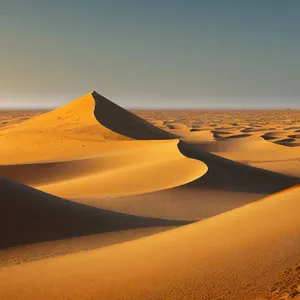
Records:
x=166, y=53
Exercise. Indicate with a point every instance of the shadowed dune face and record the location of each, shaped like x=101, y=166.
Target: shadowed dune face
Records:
x=225, y=186
x=28, y=215
x=126, y=123
x=228, y=175
x=237, y=255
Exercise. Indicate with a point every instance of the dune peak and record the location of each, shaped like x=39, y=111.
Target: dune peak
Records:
x=94, y=114
x=124, y=122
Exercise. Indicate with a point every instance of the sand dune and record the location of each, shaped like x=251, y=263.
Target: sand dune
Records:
x=203, y=137
x=125, y=168
x=237, y=255
x=131, y=185
x=259, y=153
x=74, y=117
x=94, y=110
x=26, y=253
x=252, y=150
x=237, y=135
x=29, y=215
x=234, y=143
x=129, y=168
x=289, y=167
x=124, y=122
x=290, y=142
x=76, y=151
x=76, y=128
x=225, y=186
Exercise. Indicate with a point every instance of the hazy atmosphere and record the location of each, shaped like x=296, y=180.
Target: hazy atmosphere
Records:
x=148, y=54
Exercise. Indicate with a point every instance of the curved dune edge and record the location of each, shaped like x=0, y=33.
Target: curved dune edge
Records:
x=145, y=166
x=121, y=121
x=254, y=151
x=68, y=152
x=226, y=186
x=197, y=261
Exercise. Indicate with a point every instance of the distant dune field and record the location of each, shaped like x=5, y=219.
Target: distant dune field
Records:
x=98, y=202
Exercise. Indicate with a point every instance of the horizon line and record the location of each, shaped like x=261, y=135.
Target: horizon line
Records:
x=48, y=108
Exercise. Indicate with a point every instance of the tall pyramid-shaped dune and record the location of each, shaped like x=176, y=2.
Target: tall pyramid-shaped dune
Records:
x=74, y=129
x=94, y=115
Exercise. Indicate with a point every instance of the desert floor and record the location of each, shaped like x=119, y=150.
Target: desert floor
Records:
x=97, y=202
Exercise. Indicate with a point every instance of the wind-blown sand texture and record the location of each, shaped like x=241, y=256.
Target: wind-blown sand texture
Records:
x=97, y=202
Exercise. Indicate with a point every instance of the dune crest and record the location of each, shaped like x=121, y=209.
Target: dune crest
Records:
x=112, y=121
x=75, y=128
x=73, y=116
x=120, y=120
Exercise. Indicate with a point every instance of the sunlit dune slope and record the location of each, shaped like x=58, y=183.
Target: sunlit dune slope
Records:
x=92, y=110
x=75, y=151
x=120, y=168
x=28, y=215
x=225, y=186
x=76, y=128
x=236, y=255
x=53, y=248
x=69, y=131
x=76, y=117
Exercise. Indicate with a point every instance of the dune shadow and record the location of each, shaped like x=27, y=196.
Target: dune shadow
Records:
x=238, y=136
x=39, y=173
x=121, y=121
x=224, y=174
x=28, y=216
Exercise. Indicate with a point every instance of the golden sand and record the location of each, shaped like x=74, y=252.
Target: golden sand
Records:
x=134, y=183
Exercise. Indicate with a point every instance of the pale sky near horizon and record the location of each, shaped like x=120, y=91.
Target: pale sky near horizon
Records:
x=167, y=53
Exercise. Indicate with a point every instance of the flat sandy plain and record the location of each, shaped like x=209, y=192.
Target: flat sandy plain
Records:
x=101, y=203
